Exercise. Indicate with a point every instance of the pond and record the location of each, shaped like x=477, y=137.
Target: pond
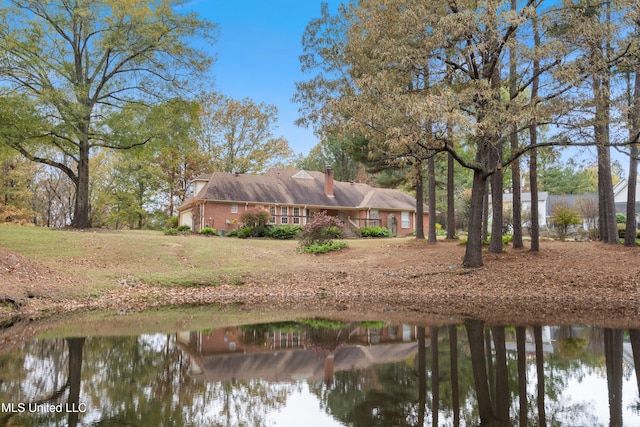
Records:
x=320, y=372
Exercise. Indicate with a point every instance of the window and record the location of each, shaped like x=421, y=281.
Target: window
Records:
x=406, y=221
x=374, y=214
x=234, y=209
x=284, y=215
x=272, y=212
x=296, y=215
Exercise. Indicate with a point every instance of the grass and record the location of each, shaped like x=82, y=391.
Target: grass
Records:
x=104, y=257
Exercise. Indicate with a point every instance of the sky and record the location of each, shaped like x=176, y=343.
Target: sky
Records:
x=258, y=47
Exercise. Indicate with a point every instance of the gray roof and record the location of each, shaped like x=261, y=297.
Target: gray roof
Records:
x=294, y=187
x=291, y=365
x=570, y=200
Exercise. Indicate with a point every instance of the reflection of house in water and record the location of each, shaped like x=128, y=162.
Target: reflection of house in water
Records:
x=289, y=354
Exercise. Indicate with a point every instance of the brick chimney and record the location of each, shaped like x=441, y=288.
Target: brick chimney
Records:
x=328, y=181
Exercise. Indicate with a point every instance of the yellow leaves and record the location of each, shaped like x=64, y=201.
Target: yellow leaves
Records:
x=134, y=10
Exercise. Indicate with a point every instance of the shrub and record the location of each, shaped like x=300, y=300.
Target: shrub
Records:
x=376, y=231
x=563, y=217
x=209, y=231
x=320, y=230
x=322, y=248
x=232, y=233
x=284, y=232
x=244, y=232
x=255, y=218
x=507, y=238
x=172, y=222
x=621, y=218
x=183, y=229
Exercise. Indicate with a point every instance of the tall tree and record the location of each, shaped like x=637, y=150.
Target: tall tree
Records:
x=513, y=137
x=341, y=153
x=79, y=61
x=631, y=221
x=239, y=134
x=634, y=136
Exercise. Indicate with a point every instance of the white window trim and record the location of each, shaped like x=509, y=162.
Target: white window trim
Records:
x=296, y=216
x=234, y=208
x=405, y=219
x=272, y=212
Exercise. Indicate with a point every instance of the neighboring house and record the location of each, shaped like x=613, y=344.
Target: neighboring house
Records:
x=585, y=204
x=620, y=191
x=525, y=198
x=293, y=197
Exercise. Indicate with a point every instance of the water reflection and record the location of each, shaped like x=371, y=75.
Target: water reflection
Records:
x=322, y=372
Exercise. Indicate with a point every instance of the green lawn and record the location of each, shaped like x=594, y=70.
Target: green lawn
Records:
x=104, y=257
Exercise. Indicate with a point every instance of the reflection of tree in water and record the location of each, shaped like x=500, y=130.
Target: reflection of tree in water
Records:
x=40, y=372
x=129, y=381
x=146, y=381
x=325, y=336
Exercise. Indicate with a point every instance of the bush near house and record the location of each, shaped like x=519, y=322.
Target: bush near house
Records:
x=209, y=231
x=376, y=231
x=318, y=234
x=284, y=232
x=183, y=229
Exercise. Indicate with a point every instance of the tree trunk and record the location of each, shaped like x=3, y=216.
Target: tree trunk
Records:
x=75, y=370
x=431, y=172
x=634, y=337
x=542, y=414
x=455, y=388
x=422, y=375
x=451, y=208
x=613, y=360
x=516, y=202
x=533, y=140
x=420, y=201
x=630, y=229
x=81, y=210
x=521, y=348
x=502, y=375
x=475, y=333
x=601, y=84
x=435, y=375
x=495, y=246
x=473, y=252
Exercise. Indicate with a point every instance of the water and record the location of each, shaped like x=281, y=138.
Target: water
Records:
x=326, y=373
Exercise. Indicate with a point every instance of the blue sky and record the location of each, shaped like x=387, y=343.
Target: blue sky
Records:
x=257, y=55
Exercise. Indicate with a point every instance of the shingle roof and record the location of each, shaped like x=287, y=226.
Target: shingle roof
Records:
x=280, y=186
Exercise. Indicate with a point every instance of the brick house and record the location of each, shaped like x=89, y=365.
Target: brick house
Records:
x=293, y=197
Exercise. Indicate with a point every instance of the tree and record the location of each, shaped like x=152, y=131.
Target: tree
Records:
x=238, y=135
x=16, y=193
x=563, y=217
x=76, y=63
x=342, y=154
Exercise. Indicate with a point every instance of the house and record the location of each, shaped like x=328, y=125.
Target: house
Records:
x=525, y=200
x=586, y=204
x=245, y=353
x=293, y=197
x=620, y=193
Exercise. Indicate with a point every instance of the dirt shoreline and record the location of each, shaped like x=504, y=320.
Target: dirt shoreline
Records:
x=566, y=282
